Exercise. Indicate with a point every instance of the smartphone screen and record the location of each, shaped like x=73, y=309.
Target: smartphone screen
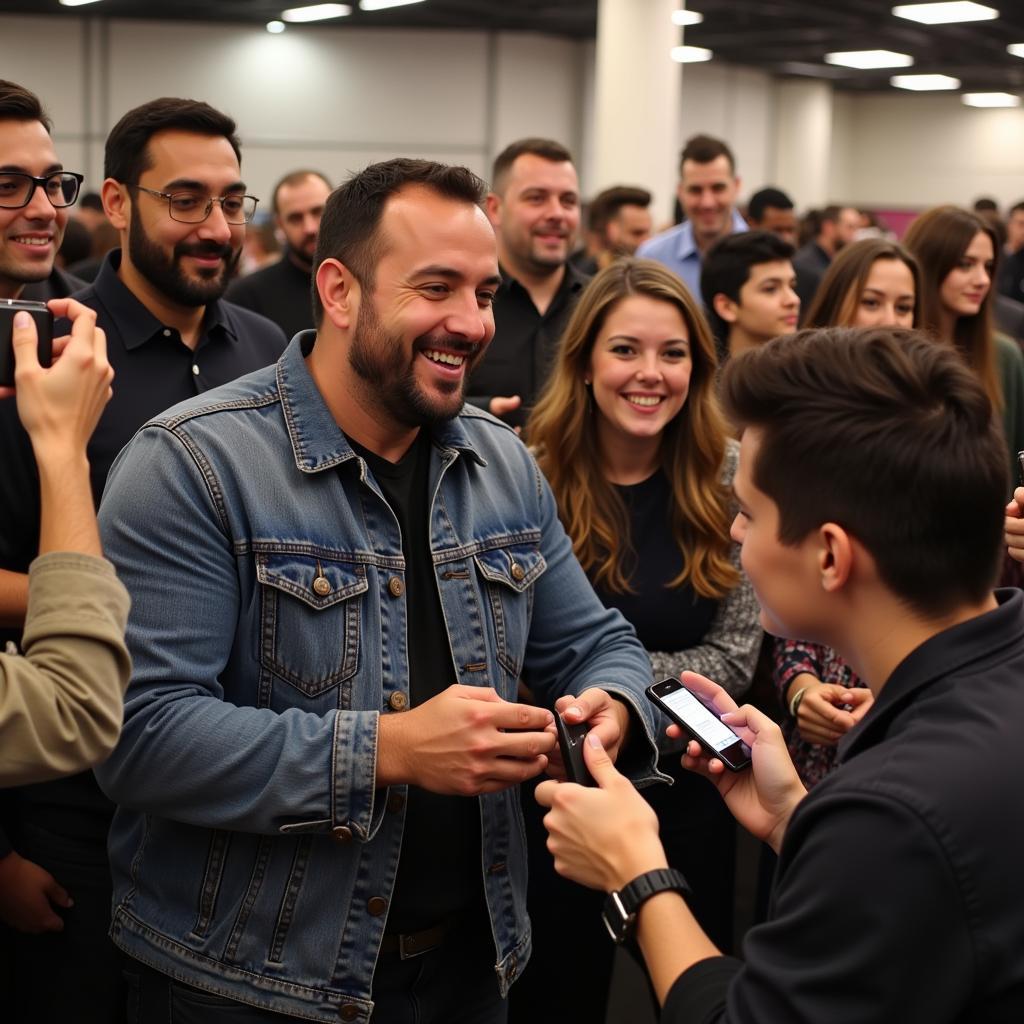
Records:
x=701, y=722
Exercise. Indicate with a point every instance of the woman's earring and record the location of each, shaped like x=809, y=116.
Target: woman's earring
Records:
x=589, y=385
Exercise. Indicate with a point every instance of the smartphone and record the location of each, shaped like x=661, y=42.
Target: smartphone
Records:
x=701, y=721
x=570, y=742
x=44, y=328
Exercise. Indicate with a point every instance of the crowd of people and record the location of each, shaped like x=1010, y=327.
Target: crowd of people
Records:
x=447, y=468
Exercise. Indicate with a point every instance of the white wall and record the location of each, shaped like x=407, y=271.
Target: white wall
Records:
x=334, y=99
x=920, y=150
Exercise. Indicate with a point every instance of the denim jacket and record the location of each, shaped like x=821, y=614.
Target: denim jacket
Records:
x=251, y=848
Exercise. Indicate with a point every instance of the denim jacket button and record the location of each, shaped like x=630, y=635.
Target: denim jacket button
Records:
x=518, y=572
x=350, y=1012
x=377, y=906
x=398, y=701
x=341, y=834
x=322, y=586
x=396, y=587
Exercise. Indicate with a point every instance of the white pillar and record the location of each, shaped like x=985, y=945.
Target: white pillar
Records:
x=804, y=141
x=637, y=96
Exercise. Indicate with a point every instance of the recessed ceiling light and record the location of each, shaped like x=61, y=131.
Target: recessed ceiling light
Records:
x=865, y=59
x=945, y=13
x=77, y=3
x=317, y=12
x=382, y=5
x=990, y=99
x=1017, y=49
x=924, y=83
x=690, y=54
x=687, y=18
x=276, y=27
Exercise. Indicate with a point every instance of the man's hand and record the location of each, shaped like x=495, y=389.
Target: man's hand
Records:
x=763, y=797
x=465, y=741
x=502, y=405
x=27, y=895
x=821, y=717
x=1014, y=526
x=605, y=715
x=60, y=406
x=602, y=837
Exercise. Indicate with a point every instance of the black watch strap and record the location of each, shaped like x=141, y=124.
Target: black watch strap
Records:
x=620, y=908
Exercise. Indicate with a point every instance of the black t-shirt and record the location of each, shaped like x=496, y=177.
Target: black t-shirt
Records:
x=281, y=292
x=439, y=870
x=665, y=618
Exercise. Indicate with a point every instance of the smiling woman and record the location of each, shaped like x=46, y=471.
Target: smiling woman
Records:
x=629, y=435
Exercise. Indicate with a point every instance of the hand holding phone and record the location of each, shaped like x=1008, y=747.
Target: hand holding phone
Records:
x=43, y=318
x=702, y=722
x=571, y=736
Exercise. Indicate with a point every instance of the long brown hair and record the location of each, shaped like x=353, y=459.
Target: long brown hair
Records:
x=939, y=238
x=563, y=429
x=835, y=301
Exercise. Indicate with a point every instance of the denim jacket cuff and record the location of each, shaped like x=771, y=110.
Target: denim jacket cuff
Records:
x=639, y=757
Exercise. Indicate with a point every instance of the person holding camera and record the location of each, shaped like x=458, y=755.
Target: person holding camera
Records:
x=61, y=703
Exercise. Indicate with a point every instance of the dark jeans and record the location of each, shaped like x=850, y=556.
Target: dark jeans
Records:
x=453, y=984
x=72, y=975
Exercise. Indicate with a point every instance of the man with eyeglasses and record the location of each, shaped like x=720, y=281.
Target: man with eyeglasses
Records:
x=174, y=191
x=35, y=193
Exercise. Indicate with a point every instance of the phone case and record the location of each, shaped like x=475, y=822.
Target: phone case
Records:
x=570, y=741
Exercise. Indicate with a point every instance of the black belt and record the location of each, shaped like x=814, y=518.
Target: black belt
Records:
x=415, y=943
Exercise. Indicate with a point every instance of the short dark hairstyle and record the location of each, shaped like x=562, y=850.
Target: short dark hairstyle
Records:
x=126, y=155
x=18, y=104
x=985, y=204
x=546, y=149
x=605, y=205
x=726, y=269
x=760, y=201
x=297, y=178
x=702, y=149
x=1016, y=208
x=91, y=201
x=350, y=226
x=856, y=425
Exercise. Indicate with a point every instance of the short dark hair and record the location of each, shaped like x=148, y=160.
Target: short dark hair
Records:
x=126, y=155
x=605, y=205
x=90, y=201
x=702, y=149
x=349, y=228
x=760, y=201
x=726, y=269
x=985, y=204
x=1016, y=208
x=857, y=426
x=546, y=149
x=18, y=104
x=297, y=178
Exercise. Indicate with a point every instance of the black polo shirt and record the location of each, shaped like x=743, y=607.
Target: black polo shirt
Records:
x=899, y=894
x=519, y=359
x=281, y=292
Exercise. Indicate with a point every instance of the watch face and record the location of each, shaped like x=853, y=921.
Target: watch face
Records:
x=615, y=918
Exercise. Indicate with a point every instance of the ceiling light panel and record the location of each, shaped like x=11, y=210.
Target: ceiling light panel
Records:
x=990, y=99
x=925, y=83
x=316, y=12
x=684, y=18
x=945, y=13
x=690, y=54
x=867, y=59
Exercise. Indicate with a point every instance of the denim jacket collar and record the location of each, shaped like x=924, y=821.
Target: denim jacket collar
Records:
x=318, y=443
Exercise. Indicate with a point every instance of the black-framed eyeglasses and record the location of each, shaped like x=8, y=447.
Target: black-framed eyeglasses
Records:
x=17, y=189
x=194, y=207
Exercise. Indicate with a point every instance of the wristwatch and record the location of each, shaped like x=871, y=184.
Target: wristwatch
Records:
x=620, y=908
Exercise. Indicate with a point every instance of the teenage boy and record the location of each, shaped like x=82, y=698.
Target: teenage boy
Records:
x=749, y=290
x=898, y=892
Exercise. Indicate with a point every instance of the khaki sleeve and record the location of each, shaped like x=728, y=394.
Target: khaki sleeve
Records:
x=61, y=703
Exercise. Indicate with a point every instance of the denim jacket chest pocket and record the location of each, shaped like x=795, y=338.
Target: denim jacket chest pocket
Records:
x=310, y=617
x=509, y=572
